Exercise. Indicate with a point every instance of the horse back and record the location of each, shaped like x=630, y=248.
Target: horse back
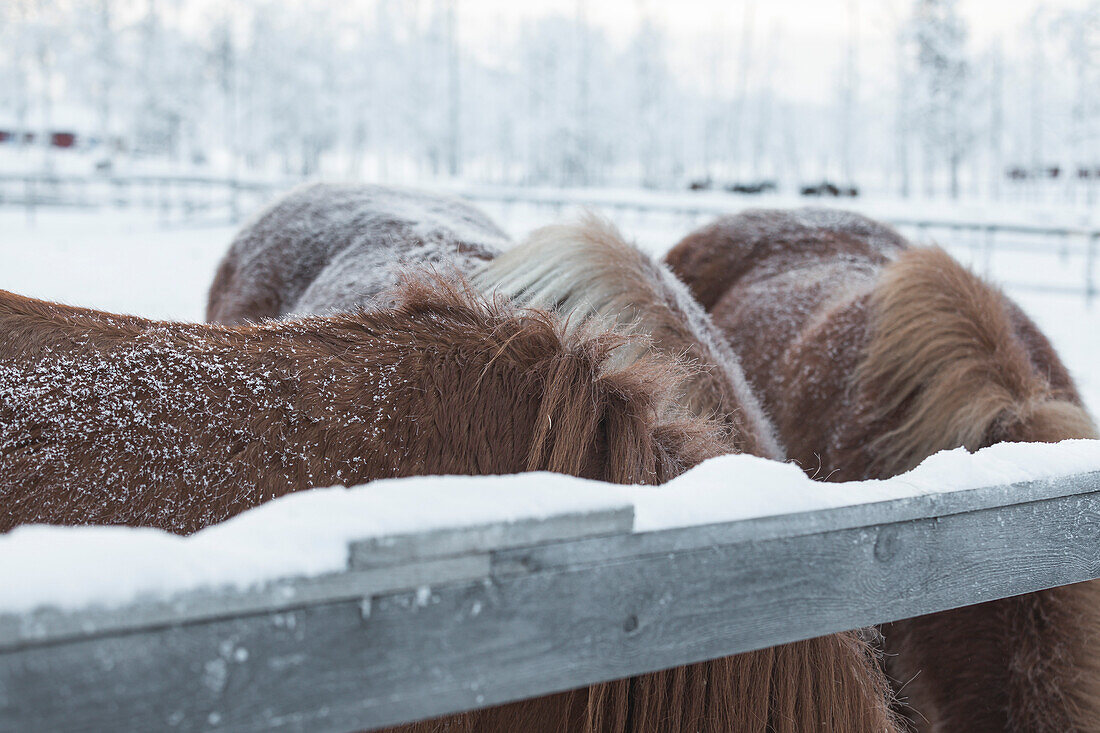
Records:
x=327, y=248
x=116, y=420
x=763, y=243
x=870, y=354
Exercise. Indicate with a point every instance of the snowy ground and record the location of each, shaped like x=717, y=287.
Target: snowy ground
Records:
x=128, y=262
x=118, y=261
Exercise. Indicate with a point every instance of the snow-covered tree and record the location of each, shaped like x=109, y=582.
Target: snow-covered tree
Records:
x=942, y=77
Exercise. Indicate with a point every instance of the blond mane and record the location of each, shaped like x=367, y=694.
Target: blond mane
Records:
x=595, y=279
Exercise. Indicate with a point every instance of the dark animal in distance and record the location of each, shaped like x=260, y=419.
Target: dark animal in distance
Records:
x=752, y=188
x=871, y=355
x=825, y=188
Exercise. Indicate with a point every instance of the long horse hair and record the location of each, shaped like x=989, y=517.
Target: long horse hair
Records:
x=944, y=367
x=593, y=277
x=873, y=355
x=109, y=419
x=590, y=275
x=947, y=365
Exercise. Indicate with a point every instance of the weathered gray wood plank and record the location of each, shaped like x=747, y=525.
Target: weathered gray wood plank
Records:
x=379, y=565
x=396, y=549
x=53, y=625
x=923, y=506
x=464, y=645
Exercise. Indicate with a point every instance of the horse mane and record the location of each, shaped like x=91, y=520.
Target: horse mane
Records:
x=952, y=362
x=589, y=394
x=945, y=366
x=817, y=684
x=595, y=279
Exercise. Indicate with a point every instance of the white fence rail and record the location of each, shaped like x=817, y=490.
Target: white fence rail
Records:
x=193, y=199
x=196, y=200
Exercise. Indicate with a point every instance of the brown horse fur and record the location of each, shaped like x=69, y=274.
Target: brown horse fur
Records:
x=596, y=281
x=328, y=248
x=110, y=419
x=589, y=274
x=815, y=685
x=872, y=355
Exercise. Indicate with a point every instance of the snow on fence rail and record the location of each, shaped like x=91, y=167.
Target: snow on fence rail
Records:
x=350, y=609
x=211, y=199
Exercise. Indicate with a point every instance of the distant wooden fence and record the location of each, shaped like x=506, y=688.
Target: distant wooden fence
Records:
x=183, y=198
x=448, y=620
x=985, y=238
x=190, y=200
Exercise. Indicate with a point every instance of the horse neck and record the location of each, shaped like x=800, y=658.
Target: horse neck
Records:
x=178, y=426
x=29, y=326
x=118, y=420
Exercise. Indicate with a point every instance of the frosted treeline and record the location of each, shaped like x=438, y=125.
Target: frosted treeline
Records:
x=405, y=90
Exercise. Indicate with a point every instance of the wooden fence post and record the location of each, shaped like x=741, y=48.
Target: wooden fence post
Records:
x=1090, y=267
x=987, y=251
x=31, y=192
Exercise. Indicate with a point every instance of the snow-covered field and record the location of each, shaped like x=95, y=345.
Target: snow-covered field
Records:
x=118, y=261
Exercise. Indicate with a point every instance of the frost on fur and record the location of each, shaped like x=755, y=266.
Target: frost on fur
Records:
x=327, y=248
x=597, y=280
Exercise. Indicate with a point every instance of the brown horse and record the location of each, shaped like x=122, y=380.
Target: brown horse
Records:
x=110, y=419
x=590, y=275
x=596, y=281
x=871, y=355
x=327, y=248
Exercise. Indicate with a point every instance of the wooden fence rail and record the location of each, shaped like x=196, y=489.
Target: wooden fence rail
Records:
x=449, y=620
x=185, y=198
x=986, y=237
x=193, y=199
